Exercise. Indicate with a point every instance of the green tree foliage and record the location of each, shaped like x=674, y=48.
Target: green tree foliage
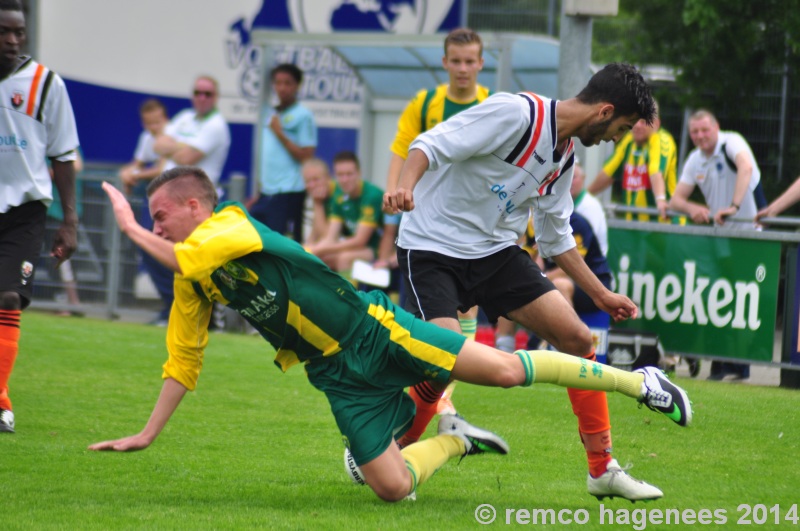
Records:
x=721, y=48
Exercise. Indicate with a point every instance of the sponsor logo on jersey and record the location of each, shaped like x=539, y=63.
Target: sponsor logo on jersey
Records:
x=635, y=178
x=536, y=156
x=13, y=141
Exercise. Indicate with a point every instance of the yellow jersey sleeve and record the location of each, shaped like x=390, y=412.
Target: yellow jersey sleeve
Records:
x=187, y=334
x=617, y=159
x=409, y=126
x=657, y=155
x=225, y=236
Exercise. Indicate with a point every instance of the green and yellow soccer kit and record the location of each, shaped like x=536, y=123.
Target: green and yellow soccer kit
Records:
x=635, y=164
x=365, y=209
x=357, y=347
x=427, y=109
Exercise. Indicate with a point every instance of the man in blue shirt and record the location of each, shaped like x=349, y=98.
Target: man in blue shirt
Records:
x=289, y=139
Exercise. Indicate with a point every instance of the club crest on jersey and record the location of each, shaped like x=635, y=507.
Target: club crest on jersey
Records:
x=237, y=271
x=16, y=99
x=26, y=270
x=227, y=279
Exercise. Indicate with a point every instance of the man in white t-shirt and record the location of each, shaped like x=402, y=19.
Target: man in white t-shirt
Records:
x=198, y=136
x=724, y=167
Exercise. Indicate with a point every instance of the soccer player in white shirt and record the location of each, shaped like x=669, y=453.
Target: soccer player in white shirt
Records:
x=467, y=186
x=36, y=123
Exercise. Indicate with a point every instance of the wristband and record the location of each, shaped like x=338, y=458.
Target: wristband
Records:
x=734, y=205
x=661, y=198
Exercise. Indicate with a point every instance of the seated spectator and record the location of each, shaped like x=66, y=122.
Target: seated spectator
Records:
x=355, y=223
x=319, y=188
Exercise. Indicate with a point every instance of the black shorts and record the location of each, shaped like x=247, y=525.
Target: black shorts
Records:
x=21, y=238
x=499, y=283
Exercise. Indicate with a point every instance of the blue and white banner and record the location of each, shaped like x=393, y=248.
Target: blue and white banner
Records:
x=114, y=55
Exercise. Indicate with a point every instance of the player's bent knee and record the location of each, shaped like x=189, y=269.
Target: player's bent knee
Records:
x=391, y=492
x=578, y=343
x=10, y=300
x=511, y=375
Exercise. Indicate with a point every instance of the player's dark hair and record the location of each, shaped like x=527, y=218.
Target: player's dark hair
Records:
x=461, y=37
x=152, y=104
x=346, y=156
x=185, y=183
x=11, y=5
x=287, y=68
x=621, y=85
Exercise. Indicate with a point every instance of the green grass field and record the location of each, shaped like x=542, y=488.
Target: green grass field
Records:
x=254, y=448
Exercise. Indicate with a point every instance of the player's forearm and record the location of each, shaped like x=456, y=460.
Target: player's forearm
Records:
x=414, y=168
x=157, y=247
x=172, y=393
x=573, y=264
x=64, y=180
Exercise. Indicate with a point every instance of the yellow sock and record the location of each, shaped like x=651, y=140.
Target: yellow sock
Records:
x=578, y=373
x=423, y=458
x=468, y=327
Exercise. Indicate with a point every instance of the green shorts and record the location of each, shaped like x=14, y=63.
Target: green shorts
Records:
x=365, y=382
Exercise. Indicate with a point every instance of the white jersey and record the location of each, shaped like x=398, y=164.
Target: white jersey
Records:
x=590, y=208
x=36, y=122
x=488, y=165
x=210, y=135
x=716, y=177
x=144, y=152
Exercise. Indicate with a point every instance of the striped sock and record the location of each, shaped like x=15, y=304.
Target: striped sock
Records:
x=9, y=347
x=468, y=327
x=528, y=365
x=425, y=397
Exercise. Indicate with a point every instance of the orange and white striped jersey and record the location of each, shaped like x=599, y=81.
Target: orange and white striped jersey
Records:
x=36, y=122
x=488, y=165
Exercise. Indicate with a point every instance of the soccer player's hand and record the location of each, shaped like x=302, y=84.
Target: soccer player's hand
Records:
x=126, y=444
x=122, y=208
x=401, y=200
x=64, y=243
x=619, y=307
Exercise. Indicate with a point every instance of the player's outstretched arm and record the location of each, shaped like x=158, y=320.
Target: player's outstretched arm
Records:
x=171, y=395
x=157, y=247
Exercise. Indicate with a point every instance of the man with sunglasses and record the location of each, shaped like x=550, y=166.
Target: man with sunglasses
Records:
x=198, y=136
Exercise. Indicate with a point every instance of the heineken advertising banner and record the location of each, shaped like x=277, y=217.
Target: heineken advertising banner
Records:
x=701, y=294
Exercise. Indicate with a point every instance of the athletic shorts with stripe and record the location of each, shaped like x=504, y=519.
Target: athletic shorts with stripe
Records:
x=22, y=231
x=437, y=284
x=365, y=382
